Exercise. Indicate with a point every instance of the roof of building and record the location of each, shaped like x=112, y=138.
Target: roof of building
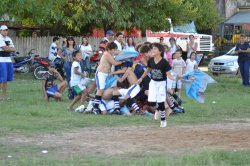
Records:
x=239, y=18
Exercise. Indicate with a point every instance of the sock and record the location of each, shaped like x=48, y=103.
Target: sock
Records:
x=163, y=115
x=171, y=104
x=177, y=98
x=135, y=107
x=97, y=101
x=117, y=103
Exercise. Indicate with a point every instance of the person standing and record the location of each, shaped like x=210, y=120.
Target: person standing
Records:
x=173, y=46
x=130, y=45
x=191, y=46
x=119, y=41
x=103, y=71
x=86, y=51
x=243, y=51
x=53, y=49
x=159, y=69
x=6, y=65
x=109, y=38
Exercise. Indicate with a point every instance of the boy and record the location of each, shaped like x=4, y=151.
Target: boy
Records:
x=159, y=69
x=179, y=67
x=76, y=80
x=50, y=89
x=103, y=71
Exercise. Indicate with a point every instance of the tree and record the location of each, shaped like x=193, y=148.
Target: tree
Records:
x=79, y=15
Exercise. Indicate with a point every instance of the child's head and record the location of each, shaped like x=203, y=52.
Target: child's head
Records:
x=51, y=66
x=77, y=55
x=193, y=55
x=166, y=48
x=145, y=50
x=111, y=48
x=158, y=49
x=178, y=53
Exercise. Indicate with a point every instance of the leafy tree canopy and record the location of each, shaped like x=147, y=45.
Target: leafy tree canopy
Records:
x=77, y=15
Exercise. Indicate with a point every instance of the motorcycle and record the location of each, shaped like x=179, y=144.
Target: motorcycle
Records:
x=41, y=64
x=23, y=64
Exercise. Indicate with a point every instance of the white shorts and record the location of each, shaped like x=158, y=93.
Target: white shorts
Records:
x=100, y=79
x=169, y=83
x=157, y=91
x=107, y=105
x=132, y=91
x=177, y=83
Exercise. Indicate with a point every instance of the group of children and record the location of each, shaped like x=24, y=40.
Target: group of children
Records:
x=146, y=84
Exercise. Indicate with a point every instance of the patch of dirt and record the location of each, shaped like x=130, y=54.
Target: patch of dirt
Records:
x=141, y=139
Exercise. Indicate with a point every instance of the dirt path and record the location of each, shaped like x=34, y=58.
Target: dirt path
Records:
x=142, y=139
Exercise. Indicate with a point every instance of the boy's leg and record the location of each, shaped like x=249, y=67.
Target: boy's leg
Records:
x=100, y=79
x=75, y=100
x=83, y=97
x=62, y=86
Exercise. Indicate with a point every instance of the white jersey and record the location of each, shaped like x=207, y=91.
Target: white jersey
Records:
x=75, y=79
x=190, y=65
x=3, y=41
x=178, y=66
x=86, y=51
x=118, y=45
x=53, y=51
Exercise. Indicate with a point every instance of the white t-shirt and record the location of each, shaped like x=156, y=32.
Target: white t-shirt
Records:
x=2, y=43
x=86, y=51
x=118, y=45
x=53, y=51
x=178, y=66
x=129, y=48
x=172, y=49
x=190, y=65
x=75, y=79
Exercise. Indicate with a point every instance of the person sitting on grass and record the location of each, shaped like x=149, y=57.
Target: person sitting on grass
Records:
x=76, y=82
x=50, y=88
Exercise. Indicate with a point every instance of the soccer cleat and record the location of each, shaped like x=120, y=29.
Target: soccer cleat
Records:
x=96, y=111
x=163, y=123
x=157, y=115
x=81, y=108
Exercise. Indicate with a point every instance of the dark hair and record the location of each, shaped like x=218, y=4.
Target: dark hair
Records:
x=138, y=47
x=179, y=50
x=118, y=34
x=242, y=35
x=55, y=38
x=160, y=48
x=190, y=36
x=111, y=46
x=171, y=39
x=133, y=43
x=87, y=40
x=147, y=43
x=192, y=53
x=70, y=38
x=75, y=53
x=145, y=49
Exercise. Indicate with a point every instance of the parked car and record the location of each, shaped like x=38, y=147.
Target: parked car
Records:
x=225, y=64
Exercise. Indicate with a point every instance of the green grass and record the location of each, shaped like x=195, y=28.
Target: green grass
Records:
x=27, y=114
x=27, y=155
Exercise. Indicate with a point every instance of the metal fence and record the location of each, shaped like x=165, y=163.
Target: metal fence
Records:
x=41, y=44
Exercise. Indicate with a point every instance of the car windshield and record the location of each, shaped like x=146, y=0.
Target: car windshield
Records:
x=186, y=28
x=231, y=52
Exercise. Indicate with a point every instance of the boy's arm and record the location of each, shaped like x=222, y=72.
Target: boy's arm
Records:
x=79, y=73
x=44, y=91
x=112, y=61
x=121, y=71
x=169, y=75
x=143, y=75
x=58, y=76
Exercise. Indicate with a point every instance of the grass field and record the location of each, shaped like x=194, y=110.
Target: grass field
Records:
x=26, y=114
